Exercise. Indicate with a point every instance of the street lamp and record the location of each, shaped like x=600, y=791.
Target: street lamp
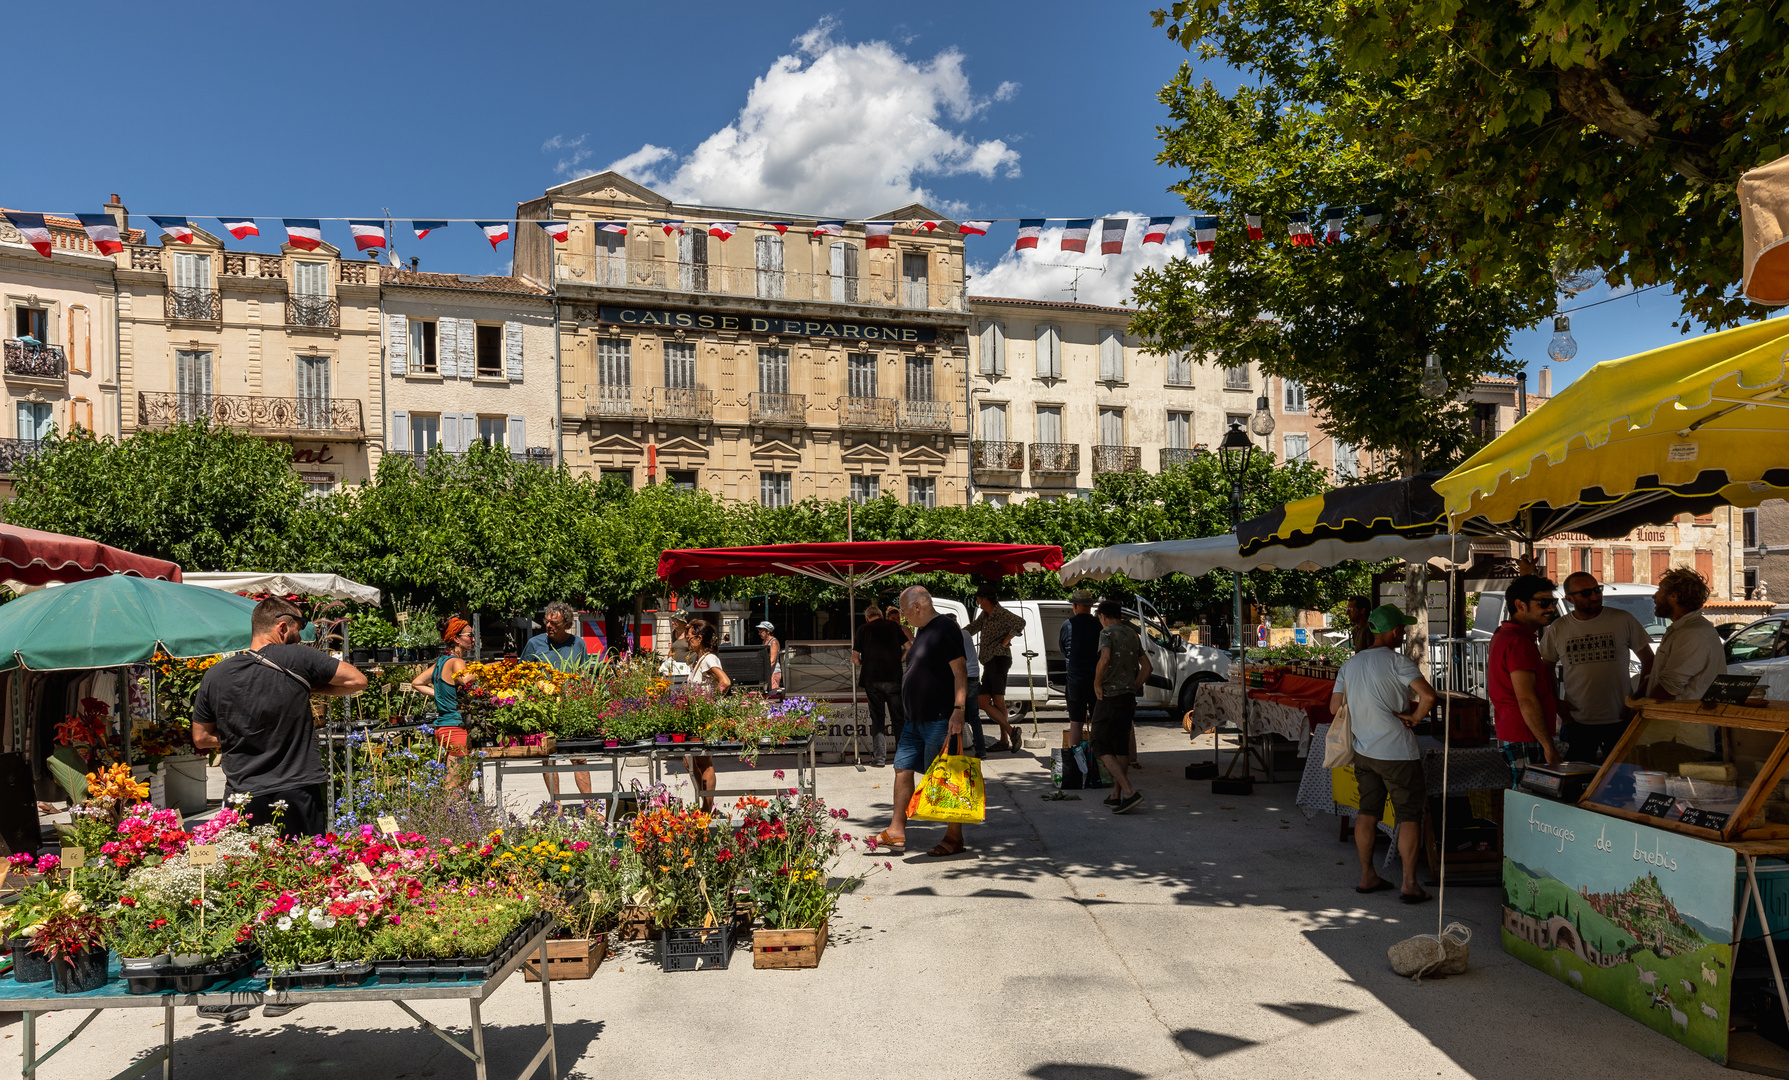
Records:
x=1233, y=455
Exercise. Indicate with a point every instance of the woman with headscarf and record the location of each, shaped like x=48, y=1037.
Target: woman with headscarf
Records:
x=443, y=683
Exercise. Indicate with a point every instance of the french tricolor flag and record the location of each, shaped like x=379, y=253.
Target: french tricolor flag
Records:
x=33, y=229
x=671, y=225
x=305, y=234
x=829, y=228
x=367, y=234
x=495, y=231
x=974, y=228
x=240, y=227
x=424, y=228
x=1253, y=221
x=1298, y=227
x=1205, y=232
x=1372, y=215
x=103, y=231
x=780, y=226
x=560, y=231
x=177, y=227
x=1074, y=236
x=723, y=230
x=1157, y=230
x=1111, y=239
x=1029, y=230
x=612, y=227
x=875, y=233
x=1332, y=222
x=929, y=226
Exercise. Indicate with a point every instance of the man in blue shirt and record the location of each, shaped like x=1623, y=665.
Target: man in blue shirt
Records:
x=558, y=646
x=1079, y=641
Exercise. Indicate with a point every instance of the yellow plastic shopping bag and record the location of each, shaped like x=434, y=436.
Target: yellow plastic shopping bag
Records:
x=952, y=789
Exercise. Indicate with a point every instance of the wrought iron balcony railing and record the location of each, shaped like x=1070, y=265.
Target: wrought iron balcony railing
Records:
x=262, y=415
x=679, y=403
x=867, y=412
x=998, y=456
x=13, y=451
x=871, y=291
x=193, y=305
x=926, y=415
x=784, y=409
x=35, y=360
x=533, y=455
x=1055, y=458
x=1111, y=459
x=312, y=311
x=1177, y=455
x=616, y=402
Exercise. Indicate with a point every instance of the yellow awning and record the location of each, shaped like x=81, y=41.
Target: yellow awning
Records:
x=1708, y=416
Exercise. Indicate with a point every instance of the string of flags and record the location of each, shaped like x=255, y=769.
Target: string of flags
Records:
x=307, y=233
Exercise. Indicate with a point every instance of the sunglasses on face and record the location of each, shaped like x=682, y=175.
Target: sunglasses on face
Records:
x=1595, y=590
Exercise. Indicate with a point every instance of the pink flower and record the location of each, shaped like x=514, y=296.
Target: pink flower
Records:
x=778, y=774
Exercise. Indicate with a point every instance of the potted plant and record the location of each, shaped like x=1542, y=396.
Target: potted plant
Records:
x=21, y=922
x=791, y=845
x=141, y=934
x=73, y=939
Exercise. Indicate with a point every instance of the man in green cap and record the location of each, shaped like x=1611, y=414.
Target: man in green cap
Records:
x=1377, y=685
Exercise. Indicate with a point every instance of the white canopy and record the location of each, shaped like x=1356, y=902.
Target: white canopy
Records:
x=1145, y=562
x=286, y=584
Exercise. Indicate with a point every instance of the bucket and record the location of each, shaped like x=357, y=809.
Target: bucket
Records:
x=1773, y=888
x=185, y=783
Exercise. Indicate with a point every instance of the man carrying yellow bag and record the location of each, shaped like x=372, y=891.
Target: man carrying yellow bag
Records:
x=953, y=790
x=933, y=690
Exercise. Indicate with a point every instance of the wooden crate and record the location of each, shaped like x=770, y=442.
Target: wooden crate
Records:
x=567, y=958
x=636, y=925
x=788, y=948
x=546, y=747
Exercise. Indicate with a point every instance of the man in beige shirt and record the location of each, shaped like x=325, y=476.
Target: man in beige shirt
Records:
x=1691, y=654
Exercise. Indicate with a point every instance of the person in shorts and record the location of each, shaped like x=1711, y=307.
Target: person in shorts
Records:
x=1377, y=685
x=997, y=627
x=933, y=692
x=1079, y=641
x=1118, y=678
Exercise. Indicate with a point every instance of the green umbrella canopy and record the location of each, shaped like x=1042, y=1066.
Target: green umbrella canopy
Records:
x=118, y=620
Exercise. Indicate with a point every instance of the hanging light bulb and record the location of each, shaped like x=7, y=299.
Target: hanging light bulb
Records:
x=1434, y=380
x=1563, y=346
x=1571, y=279
x=1261, y=423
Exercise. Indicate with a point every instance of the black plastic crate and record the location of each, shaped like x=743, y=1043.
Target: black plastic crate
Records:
x=701, y=948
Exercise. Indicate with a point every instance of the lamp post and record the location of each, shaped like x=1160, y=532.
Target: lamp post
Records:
x=1235, y=453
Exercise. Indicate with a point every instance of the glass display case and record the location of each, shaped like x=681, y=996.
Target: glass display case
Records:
x=1710, y=771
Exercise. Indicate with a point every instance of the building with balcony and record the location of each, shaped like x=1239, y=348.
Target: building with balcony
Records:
x=469, y=359
x=1062, y=392
x=776, y=365
x=58, y=319
x=282, y=346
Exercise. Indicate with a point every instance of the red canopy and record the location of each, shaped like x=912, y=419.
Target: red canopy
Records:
x=857, y=563
x=38, y=558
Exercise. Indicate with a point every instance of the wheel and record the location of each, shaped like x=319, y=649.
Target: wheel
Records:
x=1189, y=692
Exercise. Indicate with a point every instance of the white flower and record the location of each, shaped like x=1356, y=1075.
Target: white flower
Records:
x=285, y=922
x=72, y=901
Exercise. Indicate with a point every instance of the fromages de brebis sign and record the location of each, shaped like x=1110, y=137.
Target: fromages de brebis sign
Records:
x=767, y=324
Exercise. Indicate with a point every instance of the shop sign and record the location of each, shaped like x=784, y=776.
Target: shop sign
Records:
x=317, y=456
x=766, y=324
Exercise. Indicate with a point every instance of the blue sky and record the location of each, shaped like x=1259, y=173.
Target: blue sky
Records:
x=457, y=110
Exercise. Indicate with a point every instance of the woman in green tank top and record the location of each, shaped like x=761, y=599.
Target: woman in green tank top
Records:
x=442, y=682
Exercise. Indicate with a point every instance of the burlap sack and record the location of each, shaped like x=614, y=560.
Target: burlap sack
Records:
x=1764, y=219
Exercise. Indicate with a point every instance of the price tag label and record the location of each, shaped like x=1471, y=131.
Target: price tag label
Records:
x=141, y=722
x=1657, y=804
x=1707, y=819
x=201, y=855
x=73, y=858
x=388, y=825
x=361, y=871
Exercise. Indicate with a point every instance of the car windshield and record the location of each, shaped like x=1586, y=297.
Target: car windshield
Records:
x=1640, y=607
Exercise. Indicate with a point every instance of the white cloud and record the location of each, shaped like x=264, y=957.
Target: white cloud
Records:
x=837, y=129
x=1046, y=272
x=1006, y=91
x=577, y=156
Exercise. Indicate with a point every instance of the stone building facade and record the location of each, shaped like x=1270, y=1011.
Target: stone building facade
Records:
x=773, y=366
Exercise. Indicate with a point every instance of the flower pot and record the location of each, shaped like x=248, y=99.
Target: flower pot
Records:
x=142, y=973
x=418, y=970
x=679, y=738
x=385, y=654
x=610, y=744
x=315, y=976
x=190, y=972
x=82, y=972
x=661, y=738
x=28, y=966
x=360, y=656
x=185, y=960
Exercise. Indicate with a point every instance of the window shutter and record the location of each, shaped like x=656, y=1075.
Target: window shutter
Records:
x=468, y=348
x=450, y=432
x=518, y=434
x=1111, y=355
x=1043, y=352
x=468, y=430
x=447, y=348
x=995, y=334
x=512, y=349
x=397, y=343
x=397, y=439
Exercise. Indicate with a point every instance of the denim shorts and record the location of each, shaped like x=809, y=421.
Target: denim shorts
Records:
x=921, y=743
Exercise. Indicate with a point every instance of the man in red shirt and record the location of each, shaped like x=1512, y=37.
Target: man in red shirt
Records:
x=1519, y=682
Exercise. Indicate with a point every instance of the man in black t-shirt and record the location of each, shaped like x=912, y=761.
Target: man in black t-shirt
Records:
x=934, y=690
x=877, y=651
x=256, y=707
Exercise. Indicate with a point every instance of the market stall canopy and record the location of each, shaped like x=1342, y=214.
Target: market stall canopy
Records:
x=118, y=620
x=1764, y=224
x=1676, y=430
x=1146, y=562
x=850, y=564
x=35, y=557
x=332, y=585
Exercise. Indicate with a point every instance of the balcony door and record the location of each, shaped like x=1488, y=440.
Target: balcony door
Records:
x=692, y=260
x=915, y=280
x=769, y=261
x=192, y=285
x=1049, y=423
x=313, y=393
x=844, y=272
x=773, y=371
x=680, y=365
x=993, y=423
x=35, y=420
x=860, y=378
x=1111, y=427
x=192, y=385
x=1180, y=431
x=920, y=386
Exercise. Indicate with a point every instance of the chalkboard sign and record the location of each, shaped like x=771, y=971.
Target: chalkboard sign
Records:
x=1730, y=689
x=1658, y=804
x=1706, y=819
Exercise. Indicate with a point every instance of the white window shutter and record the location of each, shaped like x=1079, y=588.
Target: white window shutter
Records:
x=1111, y=355
x=450, y=431
x=397, y=439
x=468, y=430
x=397, y=343
x=1043, y=352
x=999, y=336
x=512, y=349
x=447, y=337
x=468, y=349
x=518, y=434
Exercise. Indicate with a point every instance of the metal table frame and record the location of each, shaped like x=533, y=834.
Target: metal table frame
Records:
x=805, y=755
x=584, y=761
x=610, y=759
x=255, y=992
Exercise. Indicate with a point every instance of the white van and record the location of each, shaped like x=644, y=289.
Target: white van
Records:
x=1632, y=598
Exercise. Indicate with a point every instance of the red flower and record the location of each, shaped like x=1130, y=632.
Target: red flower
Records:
x=127, y=901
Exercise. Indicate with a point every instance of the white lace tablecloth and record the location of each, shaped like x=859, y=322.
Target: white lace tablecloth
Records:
x=1220, y=704
x=1469, y=768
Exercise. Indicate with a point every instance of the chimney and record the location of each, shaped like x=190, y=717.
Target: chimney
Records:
x=120, y=216
x=1544, y=384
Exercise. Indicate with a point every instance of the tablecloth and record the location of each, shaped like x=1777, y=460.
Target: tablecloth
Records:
x=1220, y=704
x=1470, y=768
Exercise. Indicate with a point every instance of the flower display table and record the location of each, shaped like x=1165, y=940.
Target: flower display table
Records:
x=33, y=999
x=608, y=760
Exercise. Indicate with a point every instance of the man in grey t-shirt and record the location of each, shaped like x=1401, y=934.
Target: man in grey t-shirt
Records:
x=1592, y=646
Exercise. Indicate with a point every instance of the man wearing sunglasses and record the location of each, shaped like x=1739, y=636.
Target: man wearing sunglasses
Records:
x=1592, y=645
x=1518, y=682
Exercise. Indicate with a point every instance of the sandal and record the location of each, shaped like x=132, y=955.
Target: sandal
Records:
x=942, y=849
x=1415, y=898
x=1380, y=887
x=896, y=844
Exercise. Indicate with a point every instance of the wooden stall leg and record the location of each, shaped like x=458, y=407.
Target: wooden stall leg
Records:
x=546, y=1008
x=478, y=1032
x=168, y=1040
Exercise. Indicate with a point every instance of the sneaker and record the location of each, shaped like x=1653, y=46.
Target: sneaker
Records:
x=879, y=762
x=1125, y=806
x=1111, y=800
x=226, y=1014
x=271, y=1011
